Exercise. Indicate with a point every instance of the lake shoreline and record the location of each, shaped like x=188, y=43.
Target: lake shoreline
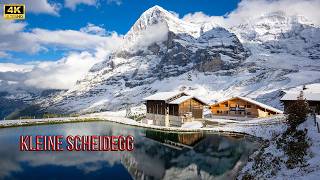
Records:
x=227, y=130
x=48, y=121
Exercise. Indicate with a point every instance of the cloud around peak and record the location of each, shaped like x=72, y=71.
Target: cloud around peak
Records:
x=251, y=9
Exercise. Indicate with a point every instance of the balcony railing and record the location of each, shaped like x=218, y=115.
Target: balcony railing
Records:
x=237, y=109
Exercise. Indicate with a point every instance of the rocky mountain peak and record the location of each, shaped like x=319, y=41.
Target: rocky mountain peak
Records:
x=156, y=15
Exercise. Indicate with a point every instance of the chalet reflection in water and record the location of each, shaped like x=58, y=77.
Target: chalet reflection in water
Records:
x=189, y=155
x=176, y=140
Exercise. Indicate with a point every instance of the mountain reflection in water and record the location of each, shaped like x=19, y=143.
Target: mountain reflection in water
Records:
x=157, y=155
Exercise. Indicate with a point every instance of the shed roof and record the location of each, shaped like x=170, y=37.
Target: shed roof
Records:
x=309, y=96
x=184, y=98
x=163, y=95
x=270, y=108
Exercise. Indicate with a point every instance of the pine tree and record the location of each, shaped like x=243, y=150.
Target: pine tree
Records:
x=297, y=112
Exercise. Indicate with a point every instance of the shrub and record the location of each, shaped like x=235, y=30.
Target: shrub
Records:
x=295, y=145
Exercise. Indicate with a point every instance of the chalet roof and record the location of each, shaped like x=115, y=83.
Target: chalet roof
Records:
x=309, y=96
x=184, y=98
x=163, y=95
x=260, y=104
x=253, y=102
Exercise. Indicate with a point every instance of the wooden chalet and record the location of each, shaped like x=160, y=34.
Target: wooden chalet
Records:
x=243, y=107
x=173, y=108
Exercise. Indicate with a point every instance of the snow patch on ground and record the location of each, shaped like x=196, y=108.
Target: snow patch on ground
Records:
x=311, y=171
x=192, y=125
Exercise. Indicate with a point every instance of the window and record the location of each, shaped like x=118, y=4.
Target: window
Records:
x=225, y=105
x=218, y=112
x=248, y=106
x=248, y=113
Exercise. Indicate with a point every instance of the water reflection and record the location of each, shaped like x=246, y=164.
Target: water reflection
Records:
x=157, y=155
x=175, y=140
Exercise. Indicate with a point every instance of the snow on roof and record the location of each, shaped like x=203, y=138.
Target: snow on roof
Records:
x=184, y=98
x=162, y=95
x=180, y=99
x=260, y=104
x=309, y=96
x=315, y=88
x=253, y=102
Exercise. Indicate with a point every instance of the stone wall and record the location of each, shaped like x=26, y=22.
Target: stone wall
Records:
x=159, y=120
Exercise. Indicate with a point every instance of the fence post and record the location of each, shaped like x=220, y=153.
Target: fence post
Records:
x=318, y=127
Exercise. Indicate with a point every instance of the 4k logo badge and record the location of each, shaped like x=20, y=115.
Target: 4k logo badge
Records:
x=14, y=11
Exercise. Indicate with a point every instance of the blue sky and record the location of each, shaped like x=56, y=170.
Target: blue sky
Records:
x=112, y=15
x=120, y=18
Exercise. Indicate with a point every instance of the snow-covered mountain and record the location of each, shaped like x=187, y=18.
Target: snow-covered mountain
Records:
x=161, y=52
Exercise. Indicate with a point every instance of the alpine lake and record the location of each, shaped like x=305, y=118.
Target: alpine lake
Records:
x=156, y=154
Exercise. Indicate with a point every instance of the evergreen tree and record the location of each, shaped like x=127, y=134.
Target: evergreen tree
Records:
x=297, y=112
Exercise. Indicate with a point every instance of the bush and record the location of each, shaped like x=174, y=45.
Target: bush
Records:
x=137, y=117
x=295, y=144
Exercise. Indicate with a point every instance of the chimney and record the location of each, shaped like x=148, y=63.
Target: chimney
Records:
x=304, y=87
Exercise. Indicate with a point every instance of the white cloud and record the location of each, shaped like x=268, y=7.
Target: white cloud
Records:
x=11, y=67
x=72, y=4
x=15, y=37
x=61, y=74
x=201, y=18
x=11, y=27
x=67, y=38
x=93, y=29
x=117, y=2
x=12, y=37
x=4, y=55
x=152, y=34
x=248, y=10
x=42, y=6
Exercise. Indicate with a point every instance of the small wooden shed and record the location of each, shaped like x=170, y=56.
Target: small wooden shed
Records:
x=312, y=98
x=173, y=108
